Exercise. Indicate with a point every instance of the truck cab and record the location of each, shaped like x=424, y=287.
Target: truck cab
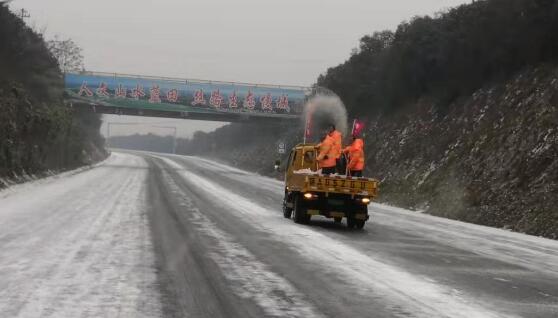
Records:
x=309, y=193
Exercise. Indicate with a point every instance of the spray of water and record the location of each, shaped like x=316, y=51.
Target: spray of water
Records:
x=325, y=108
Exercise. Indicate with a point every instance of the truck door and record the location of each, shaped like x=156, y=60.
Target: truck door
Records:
x=288, y=170
x=291, y=165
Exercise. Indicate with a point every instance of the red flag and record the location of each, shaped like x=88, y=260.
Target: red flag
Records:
x=308, y=128
x=358, y=127
x=308, y=124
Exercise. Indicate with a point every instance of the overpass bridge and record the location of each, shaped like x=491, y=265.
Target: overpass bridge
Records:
x=151, y=96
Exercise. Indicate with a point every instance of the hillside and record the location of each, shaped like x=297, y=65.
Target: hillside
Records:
x=461, y=112
x=38, y=131
x=492, y=159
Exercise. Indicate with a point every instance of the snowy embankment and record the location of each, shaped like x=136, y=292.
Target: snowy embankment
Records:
x=78, y=244
x=28, y=181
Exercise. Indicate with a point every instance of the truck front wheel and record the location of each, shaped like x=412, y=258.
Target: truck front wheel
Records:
x=287, y=212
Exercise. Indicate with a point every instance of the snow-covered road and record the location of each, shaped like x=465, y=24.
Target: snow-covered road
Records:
x=79, y=246
x=170, y=236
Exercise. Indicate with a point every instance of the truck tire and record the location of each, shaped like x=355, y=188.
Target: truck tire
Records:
x=356, y=223
x=300, y=215
x=287, y=212
x=351, y=222
x=337, y=220
x=359, y=224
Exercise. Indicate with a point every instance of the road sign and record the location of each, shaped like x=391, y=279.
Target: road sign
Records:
x=281, y=148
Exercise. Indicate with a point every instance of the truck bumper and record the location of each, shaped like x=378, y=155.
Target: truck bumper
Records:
x=334, y=214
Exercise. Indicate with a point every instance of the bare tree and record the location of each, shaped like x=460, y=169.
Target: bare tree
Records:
x=68, y=54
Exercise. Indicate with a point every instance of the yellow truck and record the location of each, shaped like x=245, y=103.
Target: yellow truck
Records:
x=308, y=193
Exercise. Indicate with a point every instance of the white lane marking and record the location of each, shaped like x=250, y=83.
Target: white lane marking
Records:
x=79, y=246
x=250, y=278
x=419, y=295
x=544, y=294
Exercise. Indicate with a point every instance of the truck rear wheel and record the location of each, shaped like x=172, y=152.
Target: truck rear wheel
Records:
x=354, y=223
x=300, y=215
x=351, y=222
x=359, y=224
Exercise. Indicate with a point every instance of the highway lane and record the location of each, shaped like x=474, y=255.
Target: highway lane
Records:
x=200, y=239
x=403, y=264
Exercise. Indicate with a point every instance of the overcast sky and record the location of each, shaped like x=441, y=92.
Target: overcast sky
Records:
x=260, y=41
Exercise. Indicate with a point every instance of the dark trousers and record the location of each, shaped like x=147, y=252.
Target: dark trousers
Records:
x=341, y=165
x=356, y=173
x=328, y=170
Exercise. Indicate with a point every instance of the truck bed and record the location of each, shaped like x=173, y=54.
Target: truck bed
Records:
x=312, y=182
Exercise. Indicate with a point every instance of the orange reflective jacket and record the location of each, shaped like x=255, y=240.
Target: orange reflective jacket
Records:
x=326, y=153
x=337, y=143
x=356, y=155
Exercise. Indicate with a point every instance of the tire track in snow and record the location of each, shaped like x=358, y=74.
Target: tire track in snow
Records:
x=406, y=294
x=249, y=278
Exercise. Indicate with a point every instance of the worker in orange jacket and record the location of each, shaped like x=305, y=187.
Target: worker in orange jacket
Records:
x=326, y=155
x=356, y=157
x=337, y=146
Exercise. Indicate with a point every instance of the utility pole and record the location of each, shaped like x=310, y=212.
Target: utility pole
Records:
x=23, y=14
x=108, y=135
x=174, y=143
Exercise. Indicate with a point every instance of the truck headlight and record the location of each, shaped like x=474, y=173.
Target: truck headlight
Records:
x=308, y=196
x=365, y=200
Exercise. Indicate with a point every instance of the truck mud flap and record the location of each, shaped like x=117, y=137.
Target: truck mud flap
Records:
x=336, y=214
x=364, y=217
